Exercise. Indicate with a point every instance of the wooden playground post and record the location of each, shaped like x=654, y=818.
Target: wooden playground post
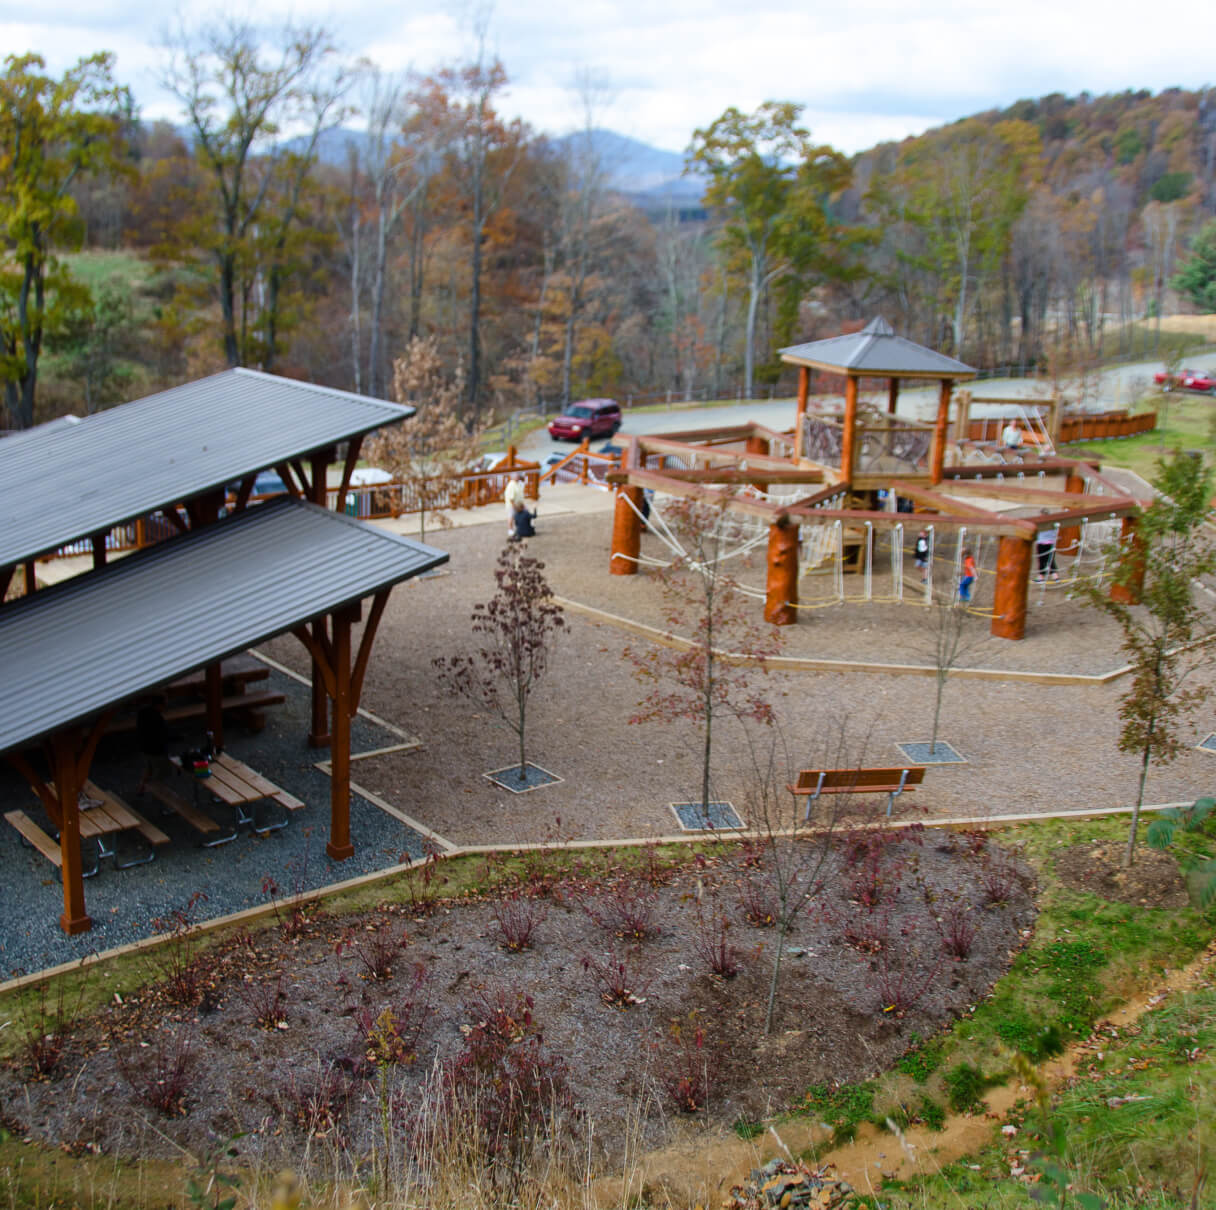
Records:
x=892, y=396
x=1012, y=587
x=626, y=531
x=1129, y=592
x=804, y=389
x=937, y=456
x=848, y=436
x=1069, y=540
x=757, y=445
x=781, y=590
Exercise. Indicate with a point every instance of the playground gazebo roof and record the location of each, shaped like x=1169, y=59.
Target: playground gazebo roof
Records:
x=70, y=479
x=876, y=351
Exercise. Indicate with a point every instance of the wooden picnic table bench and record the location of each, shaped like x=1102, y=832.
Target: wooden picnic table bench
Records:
x=233, y=782
x=891, y=782
x=102, y=815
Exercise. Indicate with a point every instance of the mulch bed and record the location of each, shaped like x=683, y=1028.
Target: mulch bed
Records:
x=865, y=970
x=1153, y=880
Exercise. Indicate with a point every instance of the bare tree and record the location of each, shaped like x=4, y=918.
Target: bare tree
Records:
x=516, y=630
x=951, y=634
x=701, y=682
x=431, y=450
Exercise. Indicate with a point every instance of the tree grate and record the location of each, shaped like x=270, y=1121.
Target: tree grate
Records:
x=712, y=817
x=533, y=779
x=1209, y=744
x=925, y=753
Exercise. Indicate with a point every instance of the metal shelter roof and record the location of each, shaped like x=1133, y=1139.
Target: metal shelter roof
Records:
x=65, y=480
x=94, y=640
x=877, y=351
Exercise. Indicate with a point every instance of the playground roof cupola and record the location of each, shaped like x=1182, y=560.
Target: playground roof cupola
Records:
x=876, y=351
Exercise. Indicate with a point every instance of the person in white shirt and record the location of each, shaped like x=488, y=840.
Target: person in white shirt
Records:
x=513, y=497
x=1011, y=435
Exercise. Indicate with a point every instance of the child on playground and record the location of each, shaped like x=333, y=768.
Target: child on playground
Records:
x=968, y=577
x=922, y=554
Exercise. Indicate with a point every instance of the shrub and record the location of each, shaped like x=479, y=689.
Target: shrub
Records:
x=518, y=917
x=175, y=960
x=159, y=1074
x=758, y=900
x=711, y=944
x=391, y=1035
x=685, y=1064
x=998, y=881
x=45, y=1025
x=315, y=1102
x=957, y=927
x=620, y=981
x=266, y=1001
x=901, y=985
x=626, y=909
x=375, y=948
x=870, y=876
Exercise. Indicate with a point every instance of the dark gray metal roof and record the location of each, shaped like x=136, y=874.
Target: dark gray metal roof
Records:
x=96, y=639
x=876, y=350
x=66, y=480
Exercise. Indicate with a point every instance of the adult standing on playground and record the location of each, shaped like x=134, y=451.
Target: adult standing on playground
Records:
x=1045, y=552
x=513, y=497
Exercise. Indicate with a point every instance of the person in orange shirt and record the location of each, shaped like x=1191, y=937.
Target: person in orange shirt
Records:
x=968, y=577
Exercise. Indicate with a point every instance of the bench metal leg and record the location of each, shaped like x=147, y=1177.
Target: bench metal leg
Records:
x=896, y=792
x=814, y=798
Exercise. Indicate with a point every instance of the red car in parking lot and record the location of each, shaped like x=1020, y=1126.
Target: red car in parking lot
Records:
x=588, y=418
x=1188, y=380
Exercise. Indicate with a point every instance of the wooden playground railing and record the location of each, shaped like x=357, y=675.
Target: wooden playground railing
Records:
x=1096, y=426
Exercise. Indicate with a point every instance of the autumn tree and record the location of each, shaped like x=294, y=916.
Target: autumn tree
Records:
x=515, y=631
x=1170, y=552
x=52, y=132
x=481, y=151
x=769, y=184
x=239, y=97
x=429, y=451
x=702, y=680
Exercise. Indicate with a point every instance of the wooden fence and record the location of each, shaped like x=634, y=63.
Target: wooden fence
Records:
x=1095, y=426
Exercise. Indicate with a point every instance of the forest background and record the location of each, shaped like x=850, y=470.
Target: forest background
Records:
x=310, y=215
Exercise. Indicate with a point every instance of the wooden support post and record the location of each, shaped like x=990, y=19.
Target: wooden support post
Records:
x=1069, y=539
x=1129, y=586
x=781, y=589
x=626, y=532
x=937, y=456
x=757, y=445
x=962, y=419
x=319, y=728
x=849, y=436
x=339, y=846
x=214, y=688
x=892, y=396
x=31, y=579
x=804, y=390
x=68, y=782
x=1012, y=583
x=98, y=543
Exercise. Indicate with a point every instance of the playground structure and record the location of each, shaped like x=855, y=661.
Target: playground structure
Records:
x=828, y=496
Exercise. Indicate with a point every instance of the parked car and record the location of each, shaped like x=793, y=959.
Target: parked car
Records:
x=1188, y=380
x=589, y=418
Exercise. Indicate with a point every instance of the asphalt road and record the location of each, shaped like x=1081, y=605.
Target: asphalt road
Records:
x=1118, y=387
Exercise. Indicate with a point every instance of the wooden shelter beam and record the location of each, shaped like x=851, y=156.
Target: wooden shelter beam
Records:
x=6, y=578
x=937, y=455
x=319, y=730
x=242, y=496
x=353, y=447
x=289, y=480
x=660, y=482
x=848, y=436
x=339, y=846
x=30, y=573
x=97, y=543
x=892, y=395
x=379, y=601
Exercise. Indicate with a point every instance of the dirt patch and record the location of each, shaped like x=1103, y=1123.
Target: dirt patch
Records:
x=1153, y=880
x=866, y=967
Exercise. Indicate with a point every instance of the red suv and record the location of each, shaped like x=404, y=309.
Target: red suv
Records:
x=588, y=418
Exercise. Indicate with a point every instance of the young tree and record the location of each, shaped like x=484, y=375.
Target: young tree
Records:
x=1171, y=552
x=429, y=451
x=516, y=630
x=701, y=682
x=769, y=183
x=51, y=133
x=950, y=634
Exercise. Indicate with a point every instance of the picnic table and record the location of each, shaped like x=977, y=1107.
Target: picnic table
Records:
x=103, y=816
x=237, y=785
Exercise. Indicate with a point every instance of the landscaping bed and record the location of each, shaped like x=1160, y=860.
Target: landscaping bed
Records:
x=300, y=1035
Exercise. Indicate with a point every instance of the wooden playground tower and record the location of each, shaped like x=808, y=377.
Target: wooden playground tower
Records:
x=845, y=460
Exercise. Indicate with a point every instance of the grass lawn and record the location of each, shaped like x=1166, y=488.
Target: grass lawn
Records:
x=95, y=267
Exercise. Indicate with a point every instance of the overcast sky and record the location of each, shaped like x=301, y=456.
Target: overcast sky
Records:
x=866, y=70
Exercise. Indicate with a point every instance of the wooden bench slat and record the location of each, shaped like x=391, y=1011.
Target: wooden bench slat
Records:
x=189, y=710
x=186, y=809
x=36, y=836
x=288, y=802
x=250, y=776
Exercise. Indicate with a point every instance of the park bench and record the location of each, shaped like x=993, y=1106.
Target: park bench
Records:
x=892, y=782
